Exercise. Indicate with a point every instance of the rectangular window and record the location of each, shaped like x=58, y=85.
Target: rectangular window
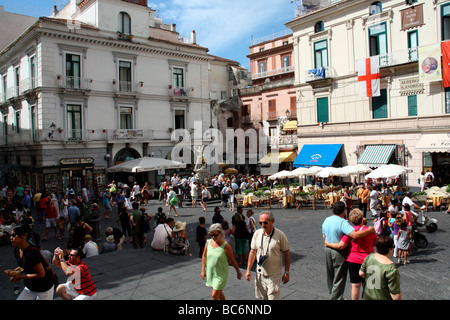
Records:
x=73, y=70
x=180, y=119
x=18, y=122
x=286, y=62
x=272, y=109
x=262, y=66
x=178, y=77
x=74, y=123
x=125, y=82
x=412, y=106
x=126, y=118
x=378, y=40
x=293, y=108
x=33, y=72
x=4, y=87
x=413, y=44
x=321, y=54
x=322, y=110
x=379, y=105
x=33, y=123
x=445, y=22
x=17, y=79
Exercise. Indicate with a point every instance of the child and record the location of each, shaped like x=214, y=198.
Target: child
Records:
x=396, y=228
x=61, y=226
x=160, y=217
x=403, y=238
x=201, y=235
x=227, y=231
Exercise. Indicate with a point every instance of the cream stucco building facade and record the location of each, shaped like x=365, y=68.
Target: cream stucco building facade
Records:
x=395, y=126
x=98, y=83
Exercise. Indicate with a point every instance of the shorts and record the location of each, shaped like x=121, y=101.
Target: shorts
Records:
x=204, y=200
x=50, y=223
x=241, y=246
x=267, y=287
x=353, y=272
x=70, y=290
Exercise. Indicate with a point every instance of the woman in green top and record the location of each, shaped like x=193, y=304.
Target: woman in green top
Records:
x=382, y=279
x=215, y=259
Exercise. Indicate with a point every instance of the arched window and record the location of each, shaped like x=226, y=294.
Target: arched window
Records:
x=375, y=8
x=318, y=27
x=124, y=23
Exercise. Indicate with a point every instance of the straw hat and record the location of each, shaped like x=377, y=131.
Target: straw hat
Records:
x=179, y=226
x=110, y=238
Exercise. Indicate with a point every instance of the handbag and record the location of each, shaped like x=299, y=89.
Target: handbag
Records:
x=173, y=200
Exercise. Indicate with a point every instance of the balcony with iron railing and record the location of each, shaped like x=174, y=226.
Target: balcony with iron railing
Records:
x=177, y=92
x=284, y=141
x=29, y=137
x=271, y=73
x=74, y=83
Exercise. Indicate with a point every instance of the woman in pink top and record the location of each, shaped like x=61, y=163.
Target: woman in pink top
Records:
x=407, y=215
x=359, y=250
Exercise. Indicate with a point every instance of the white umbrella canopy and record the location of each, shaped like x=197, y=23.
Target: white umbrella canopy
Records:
x=316, y=169
x=332, y=171
x=299, y=172
x=146, y=164
x=359, y=168
x=282, y=175
x=388, y=171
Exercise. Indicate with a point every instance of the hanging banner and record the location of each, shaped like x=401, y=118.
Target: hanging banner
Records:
x=446, y=63
x=430, y=63
x=369, y=77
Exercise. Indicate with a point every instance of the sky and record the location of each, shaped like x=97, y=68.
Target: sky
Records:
x=225, y=27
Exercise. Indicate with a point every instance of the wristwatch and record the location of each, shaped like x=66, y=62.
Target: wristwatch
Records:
x=286, y=272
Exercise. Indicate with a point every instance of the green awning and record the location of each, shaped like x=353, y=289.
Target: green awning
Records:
x=376, y=155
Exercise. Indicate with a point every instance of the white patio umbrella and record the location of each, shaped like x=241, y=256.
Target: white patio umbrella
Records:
x=332, y=171
x=388, y=171
x=281, y=175
x=316, y=169
x=146, y=164
x=358, y=168
x=300, y=172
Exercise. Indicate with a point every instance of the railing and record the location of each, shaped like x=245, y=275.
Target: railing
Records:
x=284, y=140
x=319, y=74
x=28, y=136
x=70, y=82
x=272, y=115
x=271, y=37
x=272, y=72
x=399, y=57
x=180, y=92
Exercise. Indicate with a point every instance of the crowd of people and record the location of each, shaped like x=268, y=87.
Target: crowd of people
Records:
x=349, y=244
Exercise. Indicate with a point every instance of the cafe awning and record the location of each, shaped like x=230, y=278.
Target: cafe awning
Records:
x=317, y=155
x=438, y=142
x=376, y=155
x=290, y=125
x=282, y=156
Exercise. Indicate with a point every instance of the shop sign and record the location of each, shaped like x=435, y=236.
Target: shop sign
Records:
x=72, y=161
x=411, y=86
x=412, y=17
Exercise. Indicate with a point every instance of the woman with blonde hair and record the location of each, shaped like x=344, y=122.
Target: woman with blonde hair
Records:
x=359, y=250
x=215, y=262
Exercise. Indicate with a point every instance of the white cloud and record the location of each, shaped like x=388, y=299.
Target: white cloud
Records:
x=220, y=24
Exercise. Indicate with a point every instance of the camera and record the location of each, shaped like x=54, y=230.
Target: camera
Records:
x=262, y=260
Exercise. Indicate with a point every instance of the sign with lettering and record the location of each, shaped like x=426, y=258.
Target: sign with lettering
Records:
x=412, y=17
x=411, y=86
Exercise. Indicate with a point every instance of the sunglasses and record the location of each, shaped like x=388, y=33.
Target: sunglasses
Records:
x=263, y=222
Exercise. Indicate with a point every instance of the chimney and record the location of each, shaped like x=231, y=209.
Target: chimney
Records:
x=193, y=37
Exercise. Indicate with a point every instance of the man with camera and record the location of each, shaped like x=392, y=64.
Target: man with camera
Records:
x=269, y=247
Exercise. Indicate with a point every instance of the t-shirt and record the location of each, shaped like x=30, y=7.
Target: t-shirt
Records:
x=238, y=220
x=334, y=228
x=82, y=281
x=273, y=247
x=32, y=257
x=50, y=212
x=382, y=280
x=160, y=238
x=90, y=249
x=360, y=248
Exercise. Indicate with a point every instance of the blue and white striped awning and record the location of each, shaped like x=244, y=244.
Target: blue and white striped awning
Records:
x=376, y=155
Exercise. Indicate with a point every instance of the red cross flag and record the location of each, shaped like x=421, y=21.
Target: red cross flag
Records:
x=369, y=76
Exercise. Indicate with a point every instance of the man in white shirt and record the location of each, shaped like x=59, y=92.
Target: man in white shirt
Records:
x=90, y=248
x=269, y=247
x=162, y=233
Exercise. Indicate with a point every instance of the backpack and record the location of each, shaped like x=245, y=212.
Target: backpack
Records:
x=377, y=227
x=145, y=223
